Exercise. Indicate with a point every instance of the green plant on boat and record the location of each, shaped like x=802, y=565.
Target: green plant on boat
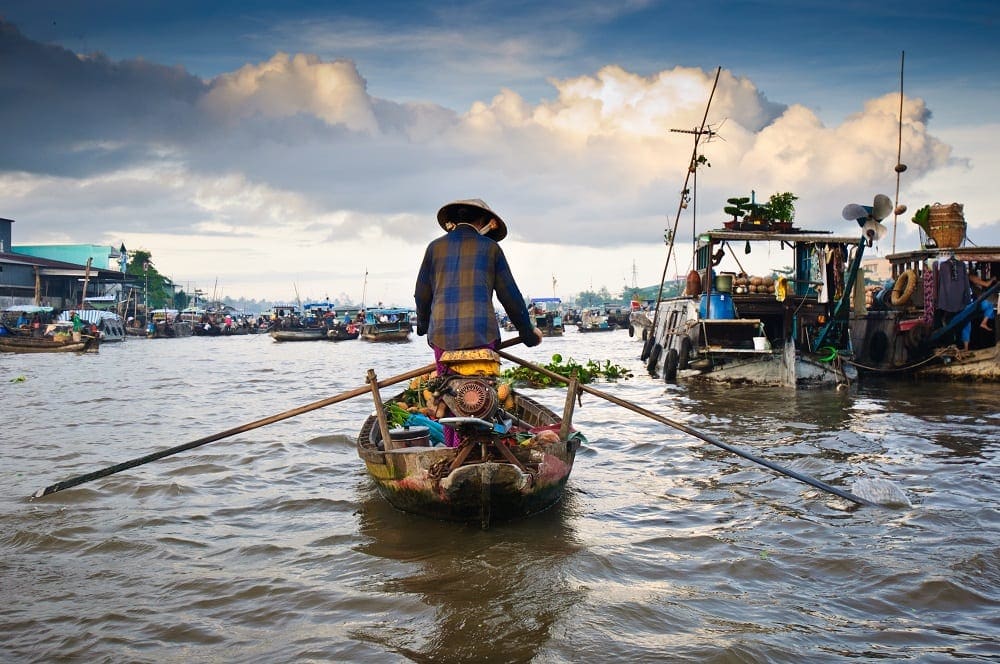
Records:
x=585, y=373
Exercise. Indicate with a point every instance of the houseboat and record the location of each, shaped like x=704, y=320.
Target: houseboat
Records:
x=772, y=328
x=936, y=315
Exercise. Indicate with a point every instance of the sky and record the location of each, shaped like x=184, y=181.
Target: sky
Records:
x=268, y=149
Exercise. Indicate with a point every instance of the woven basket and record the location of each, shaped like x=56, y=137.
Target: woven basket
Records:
x=946, y=225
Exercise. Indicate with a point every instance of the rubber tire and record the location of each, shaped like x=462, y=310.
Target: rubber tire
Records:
x=631, y=330
x=654, y=357
x=670, y=365
x=684, y=357
x=903, y=289
x=878, y=346
x=647, y=346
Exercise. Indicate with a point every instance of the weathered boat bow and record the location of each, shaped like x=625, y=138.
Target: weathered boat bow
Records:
x=512, y=459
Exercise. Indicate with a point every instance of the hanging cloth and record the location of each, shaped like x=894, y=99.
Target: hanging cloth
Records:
x=824, y=289
x=927, y=277
x=953, y=291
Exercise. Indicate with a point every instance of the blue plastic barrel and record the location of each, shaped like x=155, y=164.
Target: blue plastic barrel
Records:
x=721, y=307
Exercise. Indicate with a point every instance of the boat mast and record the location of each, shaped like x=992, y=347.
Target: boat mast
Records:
x=900, y=166
x=683, y=203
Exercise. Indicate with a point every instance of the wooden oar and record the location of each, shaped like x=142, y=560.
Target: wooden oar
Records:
x=694, y=432
x=343, y=396
x=117, y=468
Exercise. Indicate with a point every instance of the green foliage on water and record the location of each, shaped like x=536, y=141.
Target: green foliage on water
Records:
x=585, y=373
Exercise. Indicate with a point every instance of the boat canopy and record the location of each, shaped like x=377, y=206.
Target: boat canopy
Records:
x=29, y=309
x=90, y=315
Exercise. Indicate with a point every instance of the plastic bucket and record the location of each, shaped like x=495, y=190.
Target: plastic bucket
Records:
x=761, y=343
x=410, y=437
x=721, y=306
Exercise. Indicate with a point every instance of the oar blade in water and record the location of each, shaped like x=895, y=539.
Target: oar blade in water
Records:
x=881, y=492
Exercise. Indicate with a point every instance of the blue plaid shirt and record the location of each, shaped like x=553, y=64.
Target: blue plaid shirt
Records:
x=454, y=295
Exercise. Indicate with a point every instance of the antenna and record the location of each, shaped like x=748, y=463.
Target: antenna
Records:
x=703, y=129
x=900, y=166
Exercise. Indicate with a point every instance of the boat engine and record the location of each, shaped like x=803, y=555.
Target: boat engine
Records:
x=470, y=397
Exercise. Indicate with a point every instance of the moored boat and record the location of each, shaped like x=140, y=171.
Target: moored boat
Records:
x=513, y=456
x=779, y=330
x=936, y=316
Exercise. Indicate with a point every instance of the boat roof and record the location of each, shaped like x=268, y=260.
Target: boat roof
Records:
x=29, y=308
x=389, y=310
x=977, y=254
x=91, y=315
x=777, y=236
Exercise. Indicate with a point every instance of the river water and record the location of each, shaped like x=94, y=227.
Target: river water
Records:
x=273, y=545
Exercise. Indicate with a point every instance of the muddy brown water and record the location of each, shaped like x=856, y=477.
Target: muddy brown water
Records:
x=274, y=546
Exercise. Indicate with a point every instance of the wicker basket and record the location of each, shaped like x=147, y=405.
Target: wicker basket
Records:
x=946, y=225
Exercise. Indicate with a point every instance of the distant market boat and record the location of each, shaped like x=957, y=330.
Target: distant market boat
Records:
x=110, y=326
x=386, y=324
x=546, y=314
x=299, y=334
x=58, y=338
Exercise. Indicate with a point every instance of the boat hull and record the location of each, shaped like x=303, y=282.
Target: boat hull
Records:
x=316, y=334
x=421, y=480
x=32, y=345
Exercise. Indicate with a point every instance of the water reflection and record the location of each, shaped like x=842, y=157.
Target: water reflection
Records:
x=496, y=594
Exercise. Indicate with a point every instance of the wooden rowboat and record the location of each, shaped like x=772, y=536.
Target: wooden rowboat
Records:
x=494, y=475
x=20, y=344
x=299, y=334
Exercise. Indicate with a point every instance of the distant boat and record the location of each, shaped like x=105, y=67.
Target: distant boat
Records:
x=299, y=334
x=595, y=320
x=546, y=314
x=58, y=338
x=386, y=324
x=110, y=326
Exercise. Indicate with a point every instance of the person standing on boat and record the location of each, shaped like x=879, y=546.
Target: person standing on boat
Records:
x=458, y=277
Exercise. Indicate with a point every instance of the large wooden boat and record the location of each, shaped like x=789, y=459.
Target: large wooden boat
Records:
x=512, y=460
x=761, y=330
x=904, y=334
x=386, y=325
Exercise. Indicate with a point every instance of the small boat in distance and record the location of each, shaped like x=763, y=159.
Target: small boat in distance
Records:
x=110, y=326
x=386, y=324
x=595, y=319
x=57, y=338
x=546, y=314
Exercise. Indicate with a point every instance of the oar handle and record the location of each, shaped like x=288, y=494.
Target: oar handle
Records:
x=694, y=432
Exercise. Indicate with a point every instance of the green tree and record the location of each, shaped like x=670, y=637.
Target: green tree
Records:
x=160, y=290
